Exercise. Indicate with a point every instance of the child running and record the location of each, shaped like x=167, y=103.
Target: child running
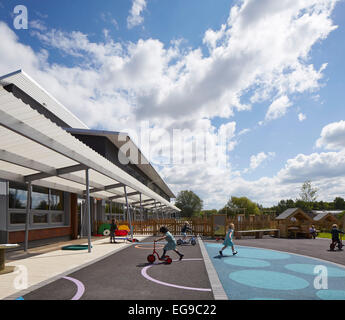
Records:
x=228, y=240
x=171, y=245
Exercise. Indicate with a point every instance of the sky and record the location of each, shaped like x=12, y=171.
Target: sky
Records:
x=225, y=98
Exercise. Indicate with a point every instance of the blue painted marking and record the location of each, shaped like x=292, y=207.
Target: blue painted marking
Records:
x=246, y=252
x=277, y=280
x=244, y=262
x=264, y=299
x=20, y=298
x=331, y=294
x=309, y=269
x=261, y=254
x=268, y=280
x=215, y=245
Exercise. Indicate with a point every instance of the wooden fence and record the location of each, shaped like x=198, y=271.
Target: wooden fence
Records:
x=200, y=226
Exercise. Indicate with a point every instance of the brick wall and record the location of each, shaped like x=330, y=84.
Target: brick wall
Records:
x=19, y=236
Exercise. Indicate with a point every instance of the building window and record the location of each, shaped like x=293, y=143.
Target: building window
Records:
x=17, y=218
x=17, y=196
x=40, y=218
x=40, y=198
x=56, y=200
x=47, y=205
x=57, y=217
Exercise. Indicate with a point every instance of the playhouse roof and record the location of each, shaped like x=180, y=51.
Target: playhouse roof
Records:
x=291, y=212
x=323, y=215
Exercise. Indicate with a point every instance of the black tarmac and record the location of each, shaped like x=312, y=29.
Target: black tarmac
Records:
x=118, y=277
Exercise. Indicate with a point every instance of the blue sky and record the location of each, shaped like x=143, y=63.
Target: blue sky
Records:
x=269, y=74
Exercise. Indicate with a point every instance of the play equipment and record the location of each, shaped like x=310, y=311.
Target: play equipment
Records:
x=104, y=229
x=76, y=247
x=124, y=227
x=190, y=240
x=151, y=257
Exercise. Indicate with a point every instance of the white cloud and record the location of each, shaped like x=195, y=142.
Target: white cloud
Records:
x=135, y=18
x=315, y=166
x=332, y=136
x=244, y=131
x=278, y=108
x=261, y=52
x=301, y=117
x=37, y=24
x=258, y=159
x=107, y=17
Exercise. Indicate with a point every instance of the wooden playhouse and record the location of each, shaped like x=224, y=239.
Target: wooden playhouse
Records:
x=294, y=223
x=324, y=221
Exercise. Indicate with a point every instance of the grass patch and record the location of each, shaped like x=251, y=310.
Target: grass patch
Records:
x=326, y=235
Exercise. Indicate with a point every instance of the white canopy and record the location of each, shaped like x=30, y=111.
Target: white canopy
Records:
x=33, y=148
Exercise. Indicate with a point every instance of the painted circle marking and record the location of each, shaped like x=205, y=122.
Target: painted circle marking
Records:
x=268, y=280
x=309, y=269
x=331, y=294
x=80, y=288
x=142, y=246
x=145, y=275
x=255, y=253
x=244, y=262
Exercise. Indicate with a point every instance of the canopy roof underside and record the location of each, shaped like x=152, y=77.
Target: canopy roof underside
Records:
x=32, y=148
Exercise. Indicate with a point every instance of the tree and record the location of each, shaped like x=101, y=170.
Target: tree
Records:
x=307, y=195
x=208, y=213
x=339, y=203
x=283, y=205
x=189, y=203
x=243, y=203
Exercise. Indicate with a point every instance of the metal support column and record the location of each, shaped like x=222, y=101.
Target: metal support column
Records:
x=87, y=202
x=128, y=213
x=28, y=205
x=141, y=210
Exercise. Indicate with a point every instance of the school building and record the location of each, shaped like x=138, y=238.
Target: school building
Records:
x=58, y=178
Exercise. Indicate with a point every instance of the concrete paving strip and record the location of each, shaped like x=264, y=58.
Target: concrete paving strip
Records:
x=49, y=267
x=217, y=288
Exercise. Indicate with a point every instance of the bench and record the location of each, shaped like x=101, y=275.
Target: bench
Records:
x=258, y=233
x=295, y=232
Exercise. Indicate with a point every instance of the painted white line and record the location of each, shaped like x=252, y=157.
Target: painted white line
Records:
x=80, y=288
x=217, y=288
x=145, y=275
x=67, y=272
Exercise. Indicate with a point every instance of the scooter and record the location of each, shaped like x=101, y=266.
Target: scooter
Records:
x=151, y=257
x=191, y=241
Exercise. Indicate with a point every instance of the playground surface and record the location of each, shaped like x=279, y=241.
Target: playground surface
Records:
x=264, y=269
x=266, y=274
x=126, y=275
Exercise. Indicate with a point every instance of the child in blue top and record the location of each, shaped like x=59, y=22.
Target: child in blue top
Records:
x=228, y=240
x=171, y=245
